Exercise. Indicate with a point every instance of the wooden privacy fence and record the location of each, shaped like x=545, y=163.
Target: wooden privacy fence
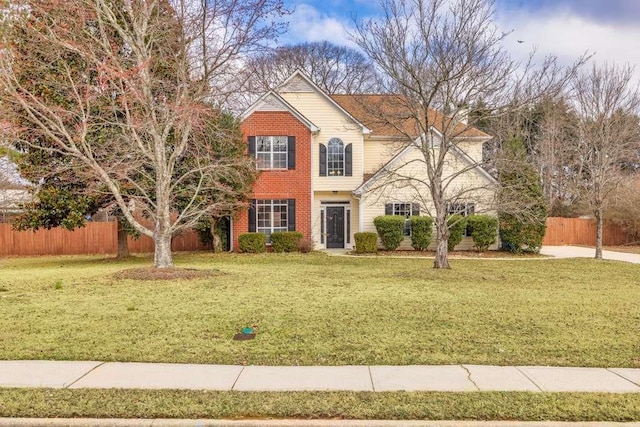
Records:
x=94, y=238
x=582, y=231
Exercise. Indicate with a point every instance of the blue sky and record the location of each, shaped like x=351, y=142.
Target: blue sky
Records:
x=565, y=28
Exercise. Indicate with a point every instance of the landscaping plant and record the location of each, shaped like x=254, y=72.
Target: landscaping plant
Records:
x=391, y=230
x=484, y=231
x=366, y=243
x=421, y=232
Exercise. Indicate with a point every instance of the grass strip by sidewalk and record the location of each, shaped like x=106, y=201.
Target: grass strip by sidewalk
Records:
x=324, y=405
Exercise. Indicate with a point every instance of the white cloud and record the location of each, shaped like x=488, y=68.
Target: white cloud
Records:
x=568, y=35
x=310, y=25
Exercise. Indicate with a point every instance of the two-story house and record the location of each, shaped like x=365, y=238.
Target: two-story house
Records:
x=320, y=166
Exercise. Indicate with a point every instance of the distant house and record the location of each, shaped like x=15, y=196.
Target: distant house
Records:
x=322, y=160
x=13, y=190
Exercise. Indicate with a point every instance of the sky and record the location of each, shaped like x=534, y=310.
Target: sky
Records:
x=609, y=29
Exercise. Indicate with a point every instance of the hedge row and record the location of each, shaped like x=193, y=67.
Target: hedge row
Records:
x=483, y=230
x=284, y=241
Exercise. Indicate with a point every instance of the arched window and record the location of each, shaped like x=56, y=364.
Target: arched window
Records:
x=335, y=157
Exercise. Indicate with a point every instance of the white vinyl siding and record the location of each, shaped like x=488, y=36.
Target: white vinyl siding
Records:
x=373, y=203
x=333, y=123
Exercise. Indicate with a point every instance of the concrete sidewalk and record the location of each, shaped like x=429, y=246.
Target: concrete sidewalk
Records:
x=582, y=252
x=457, y=378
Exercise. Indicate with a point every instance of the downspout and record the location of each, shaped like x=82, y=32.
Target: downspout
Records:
x=312, y=147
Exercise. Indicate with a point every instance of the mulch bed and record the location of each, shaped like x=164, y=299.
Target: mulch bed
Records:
x=152, y=273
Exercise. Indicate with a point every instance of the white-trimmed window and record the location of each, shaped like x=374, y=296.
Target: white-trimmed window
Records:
x=335, y=157
x=464, y=209
x=271, y=152
x=271, y=216
x=404, y=209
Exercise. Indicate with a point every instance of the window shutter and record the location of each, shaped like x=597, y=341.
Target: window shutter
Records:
x=348, y=160
x=252, y=216
x=291, y=214
x=388, y=209
x=323, y=160
x=415, y=209
x=252, y=146
x=291, y=152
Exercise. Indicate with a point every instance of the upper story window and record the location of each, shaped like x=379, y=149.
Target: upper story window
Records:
x=335, y=157
x=271, y=152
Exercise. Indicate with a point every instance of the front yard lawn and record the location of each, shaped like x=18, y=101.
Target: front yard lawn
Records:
x=316, y=309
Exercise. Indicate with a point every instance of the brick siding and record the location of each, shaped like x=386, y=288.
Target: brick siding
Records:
x=281, y=184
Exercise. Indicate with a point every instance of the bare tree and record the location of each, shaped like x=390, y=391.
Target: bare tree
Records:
x=125, y=89
x=544, y=129
x=606, y=103
x=221, y=36
x=335, y=69
x=446, y=55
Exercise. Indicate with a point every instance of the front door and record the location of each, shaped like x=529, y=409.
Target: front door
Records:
x=335, y=227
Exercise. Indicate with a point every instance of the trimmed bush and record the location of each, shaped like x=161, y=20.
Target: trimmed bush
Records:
x=519, y=235
x=457, y=225
x=391, y=230
x=484, y=231
x=366, y=243
x=305, y=246
x=285, y=241
x=421, y=232
x=253, y=243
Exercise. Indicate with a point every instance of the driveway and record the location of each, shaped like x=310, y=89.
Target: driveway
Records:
x=581, y=252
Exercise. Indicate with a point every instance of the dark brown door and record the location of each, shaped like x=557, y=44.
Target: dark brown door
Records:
x=335, y=227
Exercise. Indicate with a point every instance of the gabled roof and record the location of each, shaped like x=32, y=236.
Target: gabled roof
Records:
x=368, y=182
x=301, y=74
x=268, y=99
x=393, y=106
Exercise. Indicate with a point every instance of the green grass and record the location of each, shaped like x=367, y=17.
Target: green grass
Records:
x=402, y=406
x=315, y=309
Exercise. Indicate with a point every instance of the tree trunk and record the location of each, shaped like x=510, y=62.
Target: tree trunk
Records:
x=123, y=244
x=599, y=226
x=216, y=242
x=163, y=232
x=162, y=257
x=442, y=242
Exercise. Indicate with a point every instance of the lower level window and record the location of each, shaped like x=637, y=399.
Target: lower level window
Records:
x=405, y=210
x=464, y=209
x=271, y=216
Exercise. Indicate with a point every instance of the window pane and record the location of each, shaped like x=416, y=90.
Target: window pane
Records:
x=280, y=160
x=262, y=159
x=263, y=143
x=280, y=144
x=271, y=216
x=271, y=152
x=335, y=157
